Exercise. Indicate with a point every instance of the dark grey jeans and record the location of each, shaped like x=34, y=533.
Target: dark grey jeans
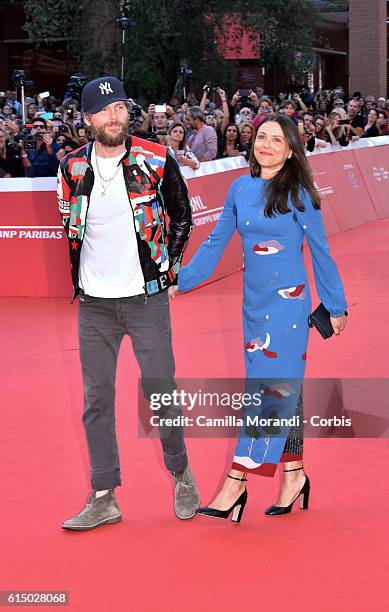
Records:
x=102, y=324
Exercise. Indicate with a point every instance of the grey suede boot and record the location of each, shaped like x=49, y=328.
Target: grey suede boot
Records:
x=98, y=511
x=186, y=495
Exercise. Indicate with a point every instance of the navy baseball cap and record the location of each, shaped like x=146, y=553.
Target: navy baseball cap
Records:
x=100, y=92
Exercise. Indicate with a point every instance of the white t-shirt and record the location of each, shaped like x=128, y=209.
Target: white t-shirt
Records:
x=109, y=262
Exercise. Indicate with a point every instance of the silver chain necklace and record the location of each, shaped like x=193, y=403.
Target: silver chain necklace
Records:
x=104, y=180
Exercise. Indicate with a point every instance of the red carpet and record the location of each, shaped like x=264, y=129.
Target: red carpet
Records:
x=333, y=557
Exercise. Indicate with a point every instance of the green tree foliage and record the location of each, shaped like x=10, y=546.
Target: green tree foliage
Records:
x=169, y=34
x=286, y=32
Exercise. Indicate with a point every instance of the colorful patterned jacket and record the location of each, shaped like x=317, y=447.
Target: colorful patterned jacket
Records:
x=155, y=188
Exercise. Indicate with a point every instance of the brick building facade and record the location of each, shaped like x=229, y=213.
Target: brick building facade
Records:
x=368, y=35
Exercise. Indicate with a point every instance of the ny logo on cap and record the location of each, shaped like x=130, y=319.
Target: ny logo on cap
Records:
x=105, y=88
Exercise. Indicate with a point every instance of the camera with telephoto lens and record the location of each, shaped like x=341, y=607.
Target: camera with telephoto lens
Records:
x=210, y=87
x=25, y=136
x=18, y=78
x=75, y=84
x=185, y=72
x=135, y=112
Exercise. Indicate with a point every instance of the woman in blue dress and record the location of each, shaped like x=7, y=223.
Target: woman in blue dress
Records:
x=273, y=210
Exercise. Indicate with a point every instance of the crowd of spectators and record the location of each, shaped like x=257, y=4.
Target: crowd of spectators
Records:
x=216, y=126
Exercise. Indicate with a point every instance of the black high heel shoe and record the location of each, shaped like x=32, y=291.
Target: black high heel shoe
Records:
x=236, y=508
x=304, y=497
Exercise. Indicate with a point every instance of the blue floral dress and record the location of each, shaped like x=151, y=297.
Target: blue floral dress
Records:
x=276, y=305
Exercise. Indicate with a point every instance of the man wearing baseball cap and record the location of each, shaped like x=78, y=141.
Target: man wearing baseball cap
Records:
x=114, y=193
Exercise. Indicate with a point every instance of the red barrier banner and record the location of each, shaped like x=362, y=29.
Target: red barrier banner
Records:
x=33, y=247
x=353, y=185
x=345, y=199
x=374, y=167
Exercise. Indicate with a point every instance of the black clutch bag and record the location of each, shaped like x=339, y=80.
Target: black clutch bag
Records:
x=320, y=318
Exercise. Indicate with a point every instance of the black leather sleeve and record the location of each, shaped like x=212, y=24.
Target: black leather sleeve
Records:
x=178, y=208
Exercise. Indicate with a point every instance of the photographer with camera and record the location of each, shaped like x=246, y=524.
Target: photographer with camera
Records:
x=222, y=116
x=82, y=135
x=39, y=152
x=309, y=133
x=137, y=119
x=266, y=108
x=156, y=121
x=71, y=115
x=74, y=88
x=10, y=161
x=61, y=128
x=207, y=90
x=339, y=131
x=241, y=100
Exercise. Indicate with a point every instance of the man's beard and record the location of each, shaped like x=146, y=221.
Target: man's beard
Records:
x=109, y=140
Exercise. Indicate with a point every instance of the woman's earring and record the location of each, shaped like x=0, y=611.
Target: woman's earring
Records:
x=290, y=155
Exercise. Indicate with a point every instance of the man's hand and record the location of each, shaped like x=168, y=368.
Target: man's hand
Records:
x=172, y=292
x=338, y=324
x=253, y=98
x=151, y=110
x=169, y=111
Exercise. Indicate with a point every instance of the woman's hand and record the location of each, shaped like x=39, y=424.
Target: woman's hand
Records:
x=328, y=125
x=185, y=161
x=235, y=98
x=172, y=291
x=338, y=324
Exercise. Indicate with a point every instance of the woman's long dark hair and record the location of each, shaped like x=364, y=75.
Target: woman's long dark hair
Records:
x=181, y=125
x=224, y=139
x=294, y=175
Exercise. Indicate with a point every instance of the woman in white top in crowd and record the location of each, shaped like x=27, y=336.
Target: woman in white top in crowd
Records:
x=179, y=148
